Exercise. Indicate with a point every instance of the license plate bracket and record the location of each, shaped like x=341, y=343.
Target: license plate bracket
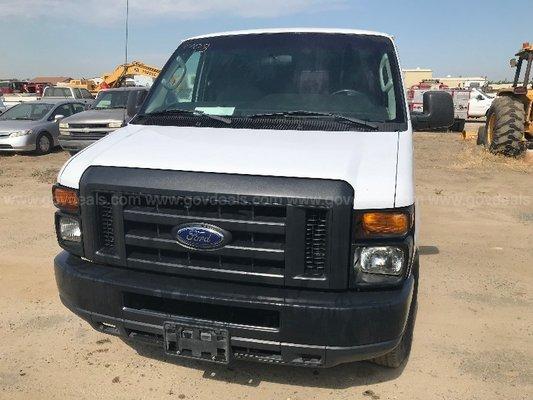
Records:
x=197, y=342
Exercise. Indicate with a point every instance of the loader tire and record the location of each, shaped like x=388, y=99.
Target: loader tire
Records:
x=505, y=127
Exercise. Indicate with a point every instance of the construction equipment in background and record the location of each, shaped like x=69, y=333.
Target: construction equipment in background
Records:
x=119, y=75
x=509, y=126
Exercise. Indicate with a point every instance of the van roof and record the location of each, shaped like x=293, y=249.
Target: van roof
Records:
x=294, y=30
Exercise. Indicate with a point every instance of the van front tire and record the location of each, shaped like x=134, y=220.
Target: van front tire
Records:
x=400, y=354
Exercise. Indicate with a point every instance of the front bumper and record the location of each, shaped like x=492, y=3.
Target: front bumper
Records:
x=21, y=143
x=311, y=328
x=70, y=144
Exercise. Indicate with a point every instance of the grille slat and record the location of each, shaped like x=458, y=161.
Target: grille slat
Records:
x=229, y=250
x=229, y=224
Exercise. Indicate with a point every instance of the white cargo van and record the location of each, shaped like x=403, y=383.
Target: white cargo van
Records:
x=260, y=206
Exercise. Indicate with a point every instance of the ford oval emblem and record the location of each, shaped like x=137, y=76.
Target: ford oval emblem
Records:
x=200, y=236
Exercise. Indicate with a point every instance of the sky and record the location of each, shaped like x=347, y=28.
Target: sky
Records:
x=85, y=38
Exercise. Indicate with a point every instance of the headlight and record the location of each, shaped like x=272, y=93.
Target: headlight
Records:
x=115, y=124
x=63, y=125
x=383, y=260
x=69, y=229
x=20, y=133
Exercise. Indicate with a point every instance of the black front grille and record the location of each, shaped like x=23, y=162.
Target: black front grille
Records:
x=291, y=236
x=90, y=134
x=315, y=242
x=90, y=126
x=258, y=234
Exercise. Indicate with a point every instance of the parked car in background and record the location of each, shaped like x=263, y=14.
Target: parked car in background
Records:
x=109, y=112
x=33, y=126
x=479, y=103
x=58, y=92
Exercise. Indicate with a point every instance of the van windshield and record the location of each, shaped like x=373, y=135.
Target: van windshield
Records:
x=355, y=76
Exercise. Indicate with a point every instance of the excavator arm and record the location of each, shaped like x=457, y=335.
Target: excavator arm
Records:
x=115, y=78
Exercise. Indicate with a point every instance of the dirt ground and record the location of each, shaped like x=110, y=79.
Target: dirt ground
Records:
x=473, y=334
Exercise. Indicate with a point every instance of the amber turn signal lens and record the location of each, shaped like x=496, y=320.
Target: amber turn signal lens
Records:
x=65, y=199
x=385, y=223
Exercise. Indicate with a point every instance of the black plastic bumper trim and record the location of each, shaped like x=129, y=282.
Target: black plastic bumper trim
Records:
x=317, y=328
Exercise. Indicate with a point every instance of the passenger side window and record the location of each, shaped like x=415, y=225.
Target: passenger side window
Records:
x=63, y=110
x=77, y=93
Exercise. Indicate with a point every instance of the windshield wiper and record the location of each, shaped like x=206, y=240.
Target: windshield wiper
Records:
x=178, y=111
x=303, y=113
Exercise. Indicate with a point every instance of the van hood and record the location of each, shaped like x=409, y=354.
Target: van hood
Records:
x=366, y=160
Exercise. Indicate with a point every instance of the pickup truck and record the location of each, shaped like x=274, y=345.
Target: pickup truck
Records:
x=108, y=113
x=259, y=206
x=479, y=103
x=59, y=92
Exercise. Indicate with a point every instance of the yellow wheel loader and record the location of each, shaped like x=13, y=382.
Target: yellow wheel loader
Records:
x=509, y=126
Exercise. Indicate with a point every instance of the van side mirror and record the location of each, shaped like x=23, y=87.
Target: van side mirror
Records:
x=438, y=111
